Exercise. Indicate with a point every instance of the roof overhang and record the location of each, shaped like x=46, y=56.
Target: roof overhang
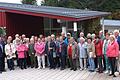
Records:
x=52, y=12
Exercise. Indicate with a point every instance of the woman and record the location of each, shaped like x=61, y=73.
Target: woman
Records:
x=91, y=54
x=72, y=51
x=104, y=51
x=31, y=52
x=112, y=53
x=10, y=54
x=40, y=52
x=57, y=52
x=21, y=50
x=82, y=53
x=98, y=50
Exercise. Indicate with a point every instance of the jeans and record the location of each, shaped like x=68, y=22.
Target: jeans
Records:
x=41, y=59
x=91, y=64
x=10, y=63
x=62, y=60
x=51, y=61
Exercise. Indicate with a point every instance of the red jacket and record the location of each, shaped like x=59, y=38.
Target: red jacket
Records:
x=113, y=49
x=98, y=48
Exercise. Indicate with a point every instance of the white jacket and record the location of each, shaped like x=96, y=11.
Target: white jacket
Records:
x=10, y=52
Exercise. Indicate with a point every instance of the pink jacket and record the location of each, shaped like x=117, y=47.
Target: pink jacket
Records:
x=39, y=48
x=113, y=49
x=21, y=50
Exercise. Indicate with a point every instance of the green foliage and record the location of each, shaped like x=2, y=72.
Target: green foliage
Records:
x=32, y=2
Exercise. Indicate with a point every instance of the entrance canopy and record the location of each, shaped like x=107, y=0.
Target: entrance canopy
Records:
x=52, y=12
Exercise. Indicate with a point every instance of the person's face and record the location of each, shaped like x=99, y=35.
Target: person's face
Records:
x=89, y=40
x=111, y=39
x=39, y=40
x=63, y=35
x=32, y=41
x=53, y=38
x=8, y=41
x=57, y=39
x=49, y=39
x=116, y=34
x=68, y=36
x=43, y=39
x=61, y=39
x=107, y=36
x=81, y=41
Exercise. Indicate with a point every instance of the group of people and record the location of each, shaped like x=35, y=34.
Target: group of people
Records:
x=93, y=53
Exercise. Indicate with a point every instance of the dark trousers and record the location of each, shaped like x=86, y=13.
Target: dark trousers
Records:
x=57, y=61
x=96, y=62
x=22, y=63
x=2, y=64
x=33, y=61
x=62, y=60
x=100, y=68
x=28, y=61
x=10, y=63
x=112, y=61
x=51, y=60
x=72, y=63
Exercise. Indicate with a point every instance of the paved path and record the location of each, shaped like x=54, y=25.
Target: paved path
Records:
x=46, y=74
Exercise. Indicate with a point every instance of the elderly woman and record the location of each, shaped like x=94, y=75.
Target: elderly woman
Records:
x=104, y=50
x=112, y=53
x=72, y=51
x=82, y=53
x=40, y=52
x=10, y=53
x=21, y=49
x=98, y=50
x=31, y=52
x=91, y=54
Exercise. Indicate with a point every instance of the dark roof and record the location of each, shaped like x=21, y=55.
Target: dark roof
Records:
x=58, y=11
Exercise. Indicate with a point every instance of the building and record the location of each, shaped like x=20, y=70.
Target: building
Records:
x=34, y=20
x=111, y=25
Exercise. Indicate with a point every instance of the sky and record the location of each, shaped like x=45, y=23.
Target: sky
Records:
x=17, y=1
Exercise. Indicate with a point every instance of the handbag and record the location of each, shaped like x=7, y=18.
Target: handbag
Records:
x=54, y=54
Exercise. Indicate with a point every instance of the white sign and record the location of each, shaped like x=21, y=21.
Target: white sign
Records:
x=75, y=26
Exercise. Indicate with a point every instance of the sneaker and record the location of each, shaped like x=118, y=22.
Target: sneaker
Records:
x=110, y=72
x=106, y=72
x=81, y=69
x=39, y=68
x=43, y=67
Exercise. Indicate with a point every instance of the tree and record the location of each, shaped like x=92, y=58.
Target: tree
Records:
x=32, y=2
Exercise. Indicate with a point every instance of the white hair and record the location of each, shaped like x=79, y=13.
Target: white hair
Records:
x=116, y=31
x=81, y=38
x=112, y=36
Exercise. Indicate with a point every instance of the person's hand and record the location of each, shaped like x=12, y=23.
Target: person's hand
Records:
x=116, y=57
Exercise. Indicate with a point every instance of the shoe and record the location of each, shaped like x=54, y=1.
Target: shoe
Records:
x=0, y=72
x=71, y=69
x=43, y=67
x=74, y=69
x=110, y=74
x=39, y=68
x=114, y=76
x=81, y=69
x=62, y=69
x=106, y=72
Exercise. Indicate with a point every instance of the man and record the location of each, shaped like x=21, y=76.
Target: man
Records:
x=2, y=56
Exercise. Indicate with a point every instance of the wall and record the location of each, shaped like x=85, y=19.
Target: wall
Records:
x=24, y=24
